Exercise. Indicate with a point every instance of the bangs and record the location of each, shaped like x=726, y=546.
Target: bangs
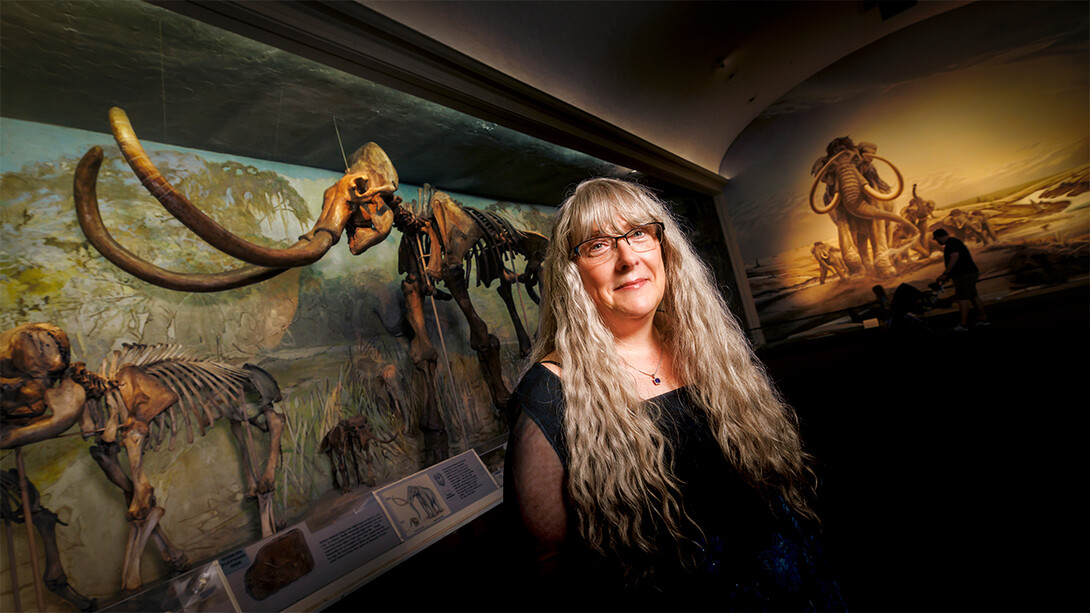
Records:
x=609, y=208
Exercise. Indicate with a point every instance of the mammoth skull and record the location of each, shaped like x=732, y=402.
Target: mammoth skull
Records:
x=38, y=400
x=359, y=204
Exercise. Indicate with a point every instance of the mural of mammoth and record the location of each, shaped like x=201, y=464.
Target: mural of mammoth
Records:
x=918, y=211
x=965, y=226
x=346, y=443
x=829, y=258
x=860, y=204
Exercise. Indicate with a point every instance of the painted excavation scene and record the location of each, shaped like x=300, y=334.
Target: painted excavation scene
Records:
x=969, y=121
x=1022, y=237
x=164, y=402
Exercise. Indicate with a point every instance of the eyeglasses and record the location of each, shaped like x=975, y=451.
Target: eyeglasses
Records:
x=641, y=238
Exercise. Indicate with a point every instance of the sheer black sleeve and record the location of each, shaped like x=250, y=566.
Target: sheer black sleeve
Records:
x=536, y=488
x=534, y=480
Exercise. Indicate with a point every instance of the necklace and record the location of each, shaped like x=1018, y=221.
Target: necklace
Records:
x=654, y=379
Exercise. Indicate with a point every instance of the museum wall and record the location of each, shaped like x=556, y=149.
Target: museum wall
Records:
x=334, y=336
x=975, y=120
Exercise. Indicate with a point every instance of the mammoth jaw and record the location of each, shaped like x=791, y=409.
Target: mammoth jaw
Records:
x=362, y=238
x=65, y=401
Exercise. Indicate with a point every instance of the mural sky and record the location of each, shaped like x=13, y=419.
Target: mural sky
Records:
x=981, y=98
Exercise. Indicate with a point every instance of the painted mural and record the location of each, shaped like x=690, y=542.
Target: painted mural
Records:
x=333, y=336
x=974, y=120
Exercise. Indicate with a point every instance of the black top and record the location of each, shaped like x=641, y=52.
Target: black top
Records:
x=755, y=553
x=965, y=264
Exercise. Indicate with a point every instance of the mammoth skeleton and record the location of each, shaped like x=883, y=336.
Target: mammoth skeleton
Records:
x=141, y=395
x=41, y=396
x=361, y=205
x=443, y=246
x=859, y=203
x=159, y=392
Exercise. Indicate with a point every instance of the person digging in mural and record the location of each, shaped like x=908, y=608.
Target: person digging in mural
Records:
x=961, y=269
x=651, y=461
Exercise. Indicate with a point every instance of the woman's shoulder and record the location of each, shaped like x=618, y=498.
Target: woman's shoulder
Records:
x=553, y=364
x=540, y=383
x=540, y=395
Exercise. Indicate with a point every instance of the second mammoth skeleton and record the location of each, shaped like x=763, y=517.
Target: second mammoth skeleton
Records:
x=361, y=205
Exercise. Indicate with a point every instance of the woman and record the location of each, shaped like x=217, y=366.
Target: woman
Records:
x=649, y=451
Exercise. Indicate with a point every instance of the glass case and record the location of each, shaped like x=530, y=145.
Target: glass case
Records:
x=252, y=136
x=201, y=590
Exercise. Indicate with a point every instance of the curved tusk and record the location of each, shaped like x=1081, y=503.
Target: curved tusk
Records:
x=893, y=193
x=866, y=210
x=90, y=220
x=304, y=252
x=832, y=203
x=821, y=210
x=813, y=189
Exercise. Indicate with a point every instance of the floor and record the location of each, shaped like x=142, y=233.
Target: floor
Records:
x=954, y=466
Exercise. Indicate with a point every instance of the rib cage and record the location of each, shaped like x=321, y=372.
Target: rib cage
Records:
x=498, y=245
x=207, y=390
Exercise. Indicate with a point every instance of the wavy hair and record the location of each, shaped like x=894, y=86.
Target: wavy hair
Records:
x=619, y=477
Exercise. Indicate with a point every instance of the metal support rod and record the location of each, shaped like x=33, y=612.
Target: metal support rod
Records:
x=11, y=567
x=450, y=376
x=39, y=589
x=522, y=305
x=442, y=343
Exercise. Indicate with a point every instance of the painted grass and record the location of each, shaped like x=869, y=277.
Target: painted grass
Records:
x=392, y=410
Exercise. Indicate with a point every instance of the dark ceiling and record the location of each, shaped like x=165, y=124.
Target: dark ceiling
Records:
x=189, y=84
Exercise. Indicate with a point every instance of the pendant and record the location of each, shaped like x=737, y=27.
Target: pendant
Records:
x=656, y=380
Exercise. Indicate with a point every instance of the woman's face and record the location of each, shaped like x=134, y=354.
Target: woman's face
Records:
x=626, y=285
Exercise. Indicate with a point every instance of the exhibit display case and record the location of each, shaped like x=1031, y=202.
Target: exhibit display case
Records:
x=355, y=537
x=281, y=400
x=203, y=589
